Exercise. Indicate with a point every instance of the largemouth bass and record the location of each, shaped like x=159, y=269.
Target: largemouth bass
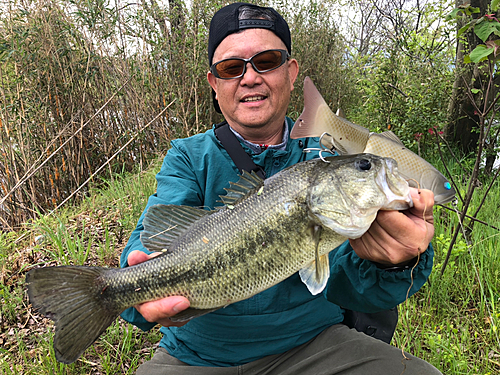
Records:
x=349, y=138
x=267, y=231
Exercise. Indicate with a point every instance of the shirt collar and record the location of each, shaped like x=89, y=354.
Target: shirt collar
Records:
x=257, y=148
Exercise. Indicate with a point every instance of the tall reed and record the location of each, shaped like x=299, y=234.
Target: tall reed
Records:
x=79, y=79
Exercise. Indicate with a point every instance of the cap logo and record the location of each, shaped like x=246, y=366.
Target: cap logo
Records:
x=247, y=24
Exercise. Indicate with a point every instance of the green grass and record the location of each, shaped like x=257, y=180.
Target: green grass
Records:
x=93, y=233
x=451, y=322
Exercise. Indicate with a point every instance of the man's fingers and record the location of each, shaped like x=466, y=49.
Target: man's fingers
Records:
x=136, y=257
x=161, y=310
x=423, y=203
x=398, y=236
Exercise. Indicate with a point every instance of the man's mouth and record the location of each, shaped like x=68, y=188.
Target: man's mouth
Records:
x=253, y=98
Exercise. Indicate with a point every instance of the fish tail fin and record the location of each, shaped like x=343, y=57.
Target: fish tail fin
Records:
x=311, y=122
x=73, y=297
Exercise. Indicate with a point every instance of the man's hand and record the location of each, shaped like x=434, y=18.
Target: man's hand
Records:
x=161, y=310
x=396, y=237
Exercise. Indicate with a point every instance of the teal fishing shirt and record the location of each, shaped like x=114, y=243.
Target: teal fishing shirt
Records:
x=195, y=172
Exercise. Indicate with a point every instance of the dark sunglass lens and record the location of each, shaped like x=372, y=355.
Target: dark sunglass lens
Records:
x=230, y=68
x=267, y=60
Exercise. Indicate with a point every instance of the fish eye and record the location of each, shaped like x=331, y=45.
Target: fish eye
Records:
x=364, y=164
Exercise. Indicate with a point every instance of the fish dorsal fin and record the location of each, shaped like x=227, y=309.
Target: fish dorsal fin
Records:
x=314, y=118
x=340, y=113
x=164, y=223
x=393, y=137
x=246, y=185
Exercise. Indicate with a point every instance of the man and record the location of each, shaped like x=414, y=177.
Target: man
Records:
x=283, y=330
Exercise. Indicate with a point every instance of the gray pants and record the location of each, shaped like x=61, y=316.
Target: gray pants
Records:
x=337, y=350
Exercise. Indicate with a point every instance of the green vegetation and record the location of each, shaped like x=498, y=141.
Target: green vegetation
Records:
x=79, y=79
x=452, y=322
x=93, y=233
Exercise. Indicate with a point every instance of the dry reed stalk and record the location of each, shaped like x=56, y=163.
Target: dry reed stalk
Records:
x=66, y=61
x=112, y=157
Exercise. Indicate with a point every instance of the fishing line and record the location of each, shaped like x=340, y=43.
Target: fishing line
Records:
x=163, y=231
x=419, y=250
x=408, y=294
x=476, y=271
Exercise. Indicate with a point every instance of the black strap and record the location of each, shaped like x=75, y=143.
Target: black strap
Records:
x=380, y=325
x=233, y=147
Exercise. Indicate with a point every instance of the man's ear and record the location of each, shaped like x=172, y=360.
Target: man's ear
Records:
x=212, y=80
x=293, y=72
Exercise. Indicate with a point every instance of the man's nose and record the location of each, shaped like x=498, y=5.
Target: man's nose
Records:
x=250, y=74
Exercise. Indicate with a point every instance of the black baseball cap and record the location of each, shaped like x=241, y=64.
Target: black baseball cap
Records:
x=226, y=22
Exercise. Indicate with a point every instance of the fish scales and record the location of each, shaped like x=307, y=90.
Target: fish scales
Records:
x=287, y=223
x=345, y=137
x=243, y=261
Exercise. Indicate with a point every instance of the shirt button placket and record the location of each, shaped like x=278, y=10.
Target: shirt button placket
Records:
x=276, y=166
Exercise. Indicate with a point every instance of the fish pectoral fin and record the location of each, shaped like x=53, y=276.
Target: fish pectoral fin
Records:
x=316, y=274
x=338, y=147
x=190, y=313
x=163, y=224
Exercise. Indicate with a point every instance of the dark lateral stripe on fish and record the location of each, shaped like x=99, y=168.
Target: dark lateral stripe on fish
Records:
x=230, y=254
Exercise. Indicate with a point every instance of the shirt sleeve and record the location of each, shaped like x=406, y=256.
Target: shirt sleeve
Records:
x=359, y=285
x=176, y=184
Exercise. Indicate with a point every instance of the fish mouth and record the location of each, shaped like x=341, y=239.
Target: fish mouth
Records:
x=352, y=216
x=394, y=186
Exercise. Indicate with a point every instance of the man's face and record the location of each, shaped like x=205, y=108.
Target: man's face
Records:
x=256, y=99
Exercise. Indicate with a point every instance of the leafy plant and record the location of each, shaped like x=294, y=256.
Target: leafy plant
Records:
x=483, y=99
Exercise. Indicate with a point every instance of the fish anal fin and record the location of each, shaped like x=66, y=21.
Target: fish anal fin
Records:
x=163, y=224
x=190, y=313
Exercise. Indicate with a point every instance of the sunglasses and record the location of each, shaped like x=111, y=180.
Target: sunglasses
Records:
x=262, y=62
